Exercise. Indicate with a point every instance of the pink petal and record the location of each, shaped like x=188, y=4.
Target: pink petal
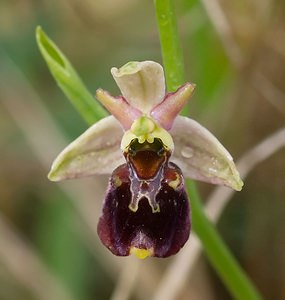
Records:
x=119, y=108
x=166, y=111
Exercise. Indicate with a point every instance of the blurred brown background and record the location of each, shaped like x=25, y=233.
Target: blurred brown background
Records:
x=235, y=53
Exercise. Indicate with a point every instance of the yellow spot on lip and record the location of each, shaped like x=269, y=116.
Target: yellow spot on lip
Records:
x=174, y=183
x=141, y=253
x=117, y=181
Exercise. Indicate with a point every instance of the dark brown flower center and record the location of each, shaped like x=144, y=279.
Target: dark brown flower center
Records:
x=146, y=158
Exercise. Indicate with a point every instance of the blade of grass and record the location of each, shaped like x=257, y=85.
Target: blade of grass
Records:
x=217, y=252
x=68, y=80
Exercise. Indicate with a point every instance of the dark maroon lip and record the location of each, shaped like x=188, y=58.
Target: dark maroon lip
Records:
x=165, y=232
x=146, y=206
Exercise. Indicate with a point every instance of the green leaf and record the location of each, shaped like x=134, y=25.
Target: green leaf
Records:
x=68, y=80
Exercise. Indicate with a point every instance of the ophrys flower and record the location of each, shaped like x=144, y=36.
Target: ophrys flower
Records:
x=144, y=145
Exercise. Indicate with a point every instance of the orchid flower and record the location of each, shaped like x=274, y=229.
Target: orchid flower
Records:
x=148, y=149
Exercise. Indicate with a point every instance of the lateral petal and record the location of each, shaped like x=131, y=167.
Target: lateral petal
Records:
x=96, y=151
x=166, y=111
x=141, y=83
x=119, y=108
x=201, y=156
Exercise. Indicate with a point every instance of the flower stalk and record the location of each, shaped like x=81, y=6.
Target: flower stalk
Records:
x=170, y=45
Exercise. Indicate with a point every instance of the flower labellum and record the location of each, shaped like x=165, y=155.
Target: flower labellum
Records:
x=146, y=209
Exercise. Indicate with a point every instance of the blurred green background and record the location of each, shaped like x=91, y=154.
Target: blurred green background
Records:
x=234, y=51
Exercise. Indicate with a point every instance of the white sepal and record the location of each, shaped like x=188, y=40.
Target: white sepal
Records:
x=201, y=156
x=96, y=151
x=141, y=83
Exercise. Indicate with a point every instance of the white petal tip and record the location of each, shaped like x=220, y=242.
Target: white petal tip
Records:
x=237, y=184
x=52, y=176
x=127, y=69
x=58, y=172
x=233, y=179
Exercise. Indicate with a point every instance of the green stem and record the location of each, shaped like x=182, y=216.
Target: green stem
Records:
x=217, y=252
x=169, y=39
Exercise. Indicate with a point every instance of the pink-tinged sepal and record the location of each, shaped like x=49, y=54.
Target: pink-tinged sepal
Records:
x=166, y=111
x=201, y=156
x=96, y=151
x=144, y=232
